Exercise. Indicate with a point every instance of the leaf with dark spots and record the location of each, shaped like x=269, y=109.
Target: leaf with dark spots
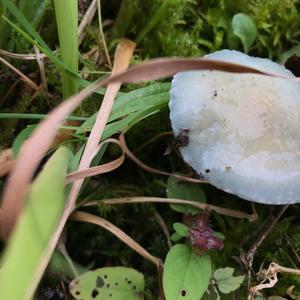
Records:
x=111, y=283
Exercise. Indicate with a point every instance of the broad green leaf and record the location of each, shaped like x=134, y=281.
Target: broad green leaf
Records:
x=186, y=275
x=226, y=282
x=114, y=283
x=244, y=28
x=134, y=101
x=21, y=272
x=181, y=229
x=187, y=191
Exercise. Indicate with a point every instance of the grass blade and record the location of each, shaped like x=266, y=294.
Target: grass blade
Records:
x=36, y=225
x=67, y=26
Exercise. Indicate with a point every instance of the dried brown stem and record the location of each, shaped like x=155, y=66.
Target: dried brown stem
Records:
x=220, y=210
x=270, y=278
x=153, y=139
x=25, y=78
x=20, y=56
x=40, y=62
x=151, y=169
x=160, y=221
x=105, y=168
x=86, y=21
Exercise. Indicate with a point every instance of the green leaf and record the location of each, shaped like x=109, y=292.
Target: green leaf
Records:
x=226, y=282
x=186, y=275
x=114, y=283
x=29, y=242
x=134, y=101
x=219, y=235
x=21, y=138
x=181, y=229
x=244, y=28
x=187, y=191
x=175, y=237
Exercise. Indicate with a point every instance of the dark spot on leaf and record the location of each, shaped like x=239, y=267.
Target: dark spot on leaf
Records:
x=207, y=170
x=105, y=276
x=215, y=94
x=183, y=293
x=116, y=283
x=108, y=285
x=77, y=293
x=95, y=293
x=99, y=282
x=126, y=279
x=134, y=287
x=129, y=281
x=110, y=295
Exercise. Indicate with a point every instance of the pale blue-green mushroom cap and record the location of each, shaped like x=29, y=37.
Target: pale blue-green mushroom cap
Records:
x=244, y=129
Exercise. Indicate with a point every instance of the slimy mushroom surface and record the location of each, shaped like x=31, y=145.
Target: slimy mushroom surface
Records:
x=243, y=129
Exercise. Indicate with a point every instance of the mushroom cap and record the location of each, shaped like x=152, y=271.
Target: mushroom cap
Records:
x=243, y=129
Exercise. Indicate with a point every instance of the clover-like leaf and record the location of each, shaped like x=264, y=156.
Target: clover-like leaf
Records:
x=181, y=229
x=226, y=281
x=114, y=283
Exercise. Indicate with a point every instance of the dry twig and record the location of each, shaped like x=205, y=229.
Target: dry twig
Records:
x=153, y=170
x=270, y=278
x=220, y=210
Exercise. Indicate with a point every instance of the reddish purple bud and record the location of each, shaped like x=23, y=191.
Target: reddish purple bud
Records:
x=201, y=235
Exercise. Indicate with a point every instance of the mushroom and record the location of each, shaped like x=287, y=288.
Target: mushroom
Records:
x=243, y=129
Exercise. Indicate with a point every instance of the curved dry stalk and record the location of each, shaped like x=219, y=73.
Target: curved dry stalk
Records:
x=220, y=210
x=90, y=218
x=161, y=223
x=86, y=21
x=153, y=139
x=123, y=55
x=24, y=78
x=151, y=169
x=105, y=168
x=40, y=62
x=21, y=56
x=270, y=277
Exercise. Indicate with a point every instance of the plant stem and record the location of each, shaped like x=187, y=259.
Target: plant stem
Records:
x=67, y=26
x=220, y=210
